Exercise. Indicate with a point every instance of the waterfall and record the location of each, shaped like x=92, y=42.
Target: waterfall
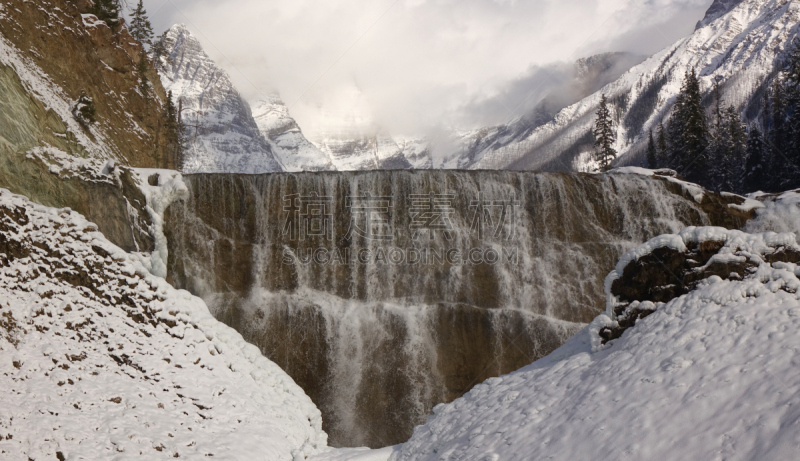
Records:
x=384, y=293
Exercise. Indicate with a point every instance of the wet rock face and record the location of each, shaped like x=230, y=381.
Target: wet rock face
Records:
x=379, y=331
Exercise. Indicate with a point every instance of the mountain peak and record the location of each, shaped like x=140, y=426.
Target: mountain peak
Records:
x=717, y=10
x=224, y=136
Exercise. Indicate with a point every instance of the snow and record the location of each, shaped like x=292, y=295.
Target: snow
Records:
x=780, y=213
x=357, y=454
x=69, y=166
x=293, y=150
x=100, y=359
x=740, y=44
x=711, y=375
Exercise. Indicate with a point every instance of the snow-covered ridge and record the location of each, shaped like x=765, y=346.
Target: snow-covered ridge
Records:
x=100, y=359
x=295, y=152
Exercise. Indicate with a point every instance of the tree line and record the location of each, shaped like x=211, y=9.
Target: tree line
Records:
x=714, y=146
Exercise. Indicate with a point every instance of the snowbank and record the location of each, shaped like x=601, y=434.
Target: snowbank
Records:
x=101, y=359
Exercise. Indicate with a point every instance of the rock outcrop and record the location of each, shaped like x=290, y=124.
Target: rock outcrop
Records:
x=670, y=266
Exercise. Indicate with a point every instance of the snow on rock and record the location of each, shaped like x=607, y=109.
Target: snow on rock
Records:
x=781, y=213
x=711, y=374
x=44, y=89
x=99, y=359
x=669, y=266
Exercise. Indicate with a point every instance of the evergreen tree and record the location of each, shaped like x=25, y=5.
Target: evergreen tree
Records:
x=140, y=27
x=108, y=11
x=652, y=153
x=779, y=131
x=733, y=163
x=604, y=136
x=791, y=167
x=661, y=146
x=688, y=131
x=159, y=51
x=755, y=168
x=175, y=134
x=778, y=136
x=720, y=145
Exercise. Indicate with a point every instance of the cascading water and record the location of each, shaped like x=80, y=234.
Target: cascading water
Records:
x=384, y=293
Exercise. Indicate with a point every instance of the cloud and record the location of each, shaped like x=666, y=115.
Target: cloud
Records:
x=410, y=64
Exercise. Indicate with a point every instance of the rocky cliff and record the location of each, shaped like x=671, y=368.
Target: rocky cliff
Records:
x=384, y=293
x=46, y=152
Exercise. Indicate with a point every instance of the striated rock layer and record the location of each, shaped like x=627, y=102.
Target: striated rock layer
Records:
x=458, y=277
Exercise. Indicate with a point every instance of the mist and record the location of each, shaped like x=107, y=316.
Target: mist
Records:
x=409, y=65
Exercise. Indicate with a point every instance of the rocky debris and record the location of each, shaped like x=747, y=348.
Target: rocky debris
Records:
x=670, y=266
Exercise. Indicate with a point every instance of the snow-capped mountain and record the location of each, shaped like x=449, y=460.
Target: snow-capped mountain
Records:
x=222, y=134
x=357, y=148
x=294, y=151
x=225, y=138
x=738, y=42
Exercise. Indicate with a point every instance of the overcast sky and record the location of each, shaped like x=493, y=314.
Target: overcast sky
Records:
x=411, y=64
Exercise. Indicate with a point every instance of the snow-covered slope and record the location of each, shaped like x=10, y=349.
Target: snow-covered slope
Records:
x=712, y=374
x=294, y=151
x=222, y=136
x=741, y=44
x=101, y=360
